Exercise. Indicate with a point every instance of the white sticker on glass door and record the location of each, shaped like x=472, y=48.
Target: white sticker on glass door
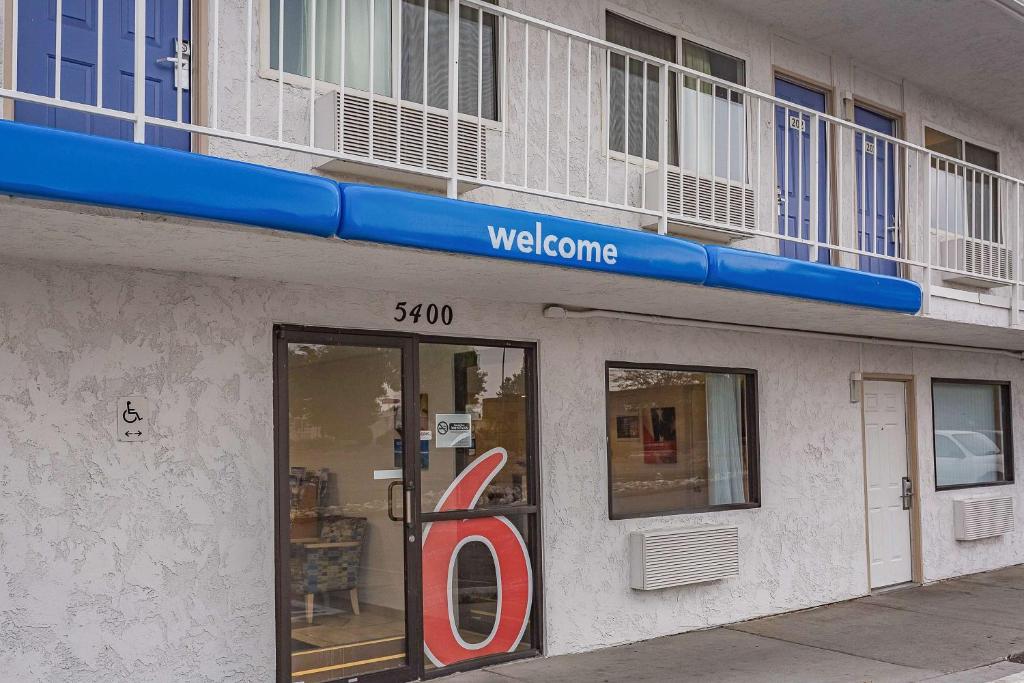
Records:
x=454, y=430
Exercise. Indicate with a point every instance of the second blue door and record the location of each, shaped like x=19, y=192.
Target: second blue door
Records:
x=876, y=192
x=37, y=54
x=797, y=180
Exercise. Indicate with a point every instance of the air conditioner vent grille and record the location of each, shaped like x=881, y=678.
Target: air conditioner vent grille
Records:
x=977, y=261
x=404, y=134
x=677, y=557
x=982, y=517
x=712, y=201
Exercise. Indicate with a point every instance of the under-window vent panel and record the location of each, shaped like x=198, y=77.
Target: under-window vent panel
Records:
x=714, y=201
x=405, y=135
x=664, y=558
x=982, y=517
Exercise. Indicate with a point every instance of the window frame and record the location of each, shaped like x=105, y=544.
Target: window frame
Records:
x=964, y=141
x=266, y=72
x=1007, y=417
x=680, y=37
x=751, y=424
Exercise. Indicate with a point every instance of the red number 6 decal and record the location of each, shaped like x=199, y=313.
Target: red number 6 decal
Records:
x=442, y=541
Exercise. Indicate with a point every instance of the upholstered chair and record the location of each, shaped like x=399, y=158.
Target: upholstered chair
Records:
x=330, y=563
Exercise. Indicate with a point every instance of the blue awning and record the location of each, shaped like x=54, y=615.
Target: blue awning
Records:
x=57, y=165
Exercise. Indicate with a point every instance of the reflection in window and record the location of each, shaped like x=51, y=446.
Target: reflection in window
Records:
x=972, y=436
x=345, y=584
x=489, y=386
x=680, y=440
x=474, y=590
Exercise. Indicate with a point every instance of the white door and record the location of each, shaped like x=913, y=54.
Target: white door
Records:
x=885, y=432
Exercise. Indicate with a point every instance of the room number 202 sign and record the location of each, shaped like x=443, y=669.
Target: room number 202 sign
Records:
x=442, y=541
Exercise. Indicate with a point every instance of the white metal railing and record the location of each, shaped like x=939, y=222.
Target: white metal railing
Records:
x=466, y=94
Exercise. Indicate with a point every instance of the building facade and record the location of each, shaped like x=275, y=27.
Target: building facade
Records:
x=383, y=339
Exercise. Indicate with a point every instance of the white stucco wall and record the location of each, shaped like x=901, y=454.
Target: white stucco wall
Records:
x=155, y=561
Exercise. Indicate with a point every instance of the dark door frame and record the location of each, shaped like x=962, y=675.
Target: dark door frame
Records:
x=409, y=345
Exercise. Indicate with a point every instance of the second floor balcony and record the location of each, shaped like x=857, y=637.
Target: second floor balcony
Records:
x=474, y=100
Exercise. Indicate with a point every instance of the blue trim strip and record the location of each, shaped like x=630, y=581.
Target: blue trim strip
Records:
x=752, y=271
x=409, y=219
x=53, y=164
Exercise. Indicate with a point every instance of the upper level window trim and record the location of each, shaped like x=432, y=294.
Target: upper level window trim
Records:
x=694, y=159
x=391, y=88
x=967, y=200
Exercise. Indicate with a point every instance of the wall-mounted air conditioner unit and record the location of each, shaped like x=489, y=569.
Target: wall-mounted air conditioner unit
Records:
x=675, y=557
x=708, y=209
x=412, y=139
x=983, y=263
x=982, y=517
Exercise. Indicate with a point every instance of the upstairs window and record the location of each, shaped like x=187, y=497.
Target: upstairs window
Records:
x=478, y=49
x=965, y=201
x=711, y=119
x=634, y=89
x=714, y=117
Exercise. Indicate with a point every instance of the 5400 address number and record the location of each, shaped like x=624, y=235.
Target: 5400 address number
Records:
x=432, y=314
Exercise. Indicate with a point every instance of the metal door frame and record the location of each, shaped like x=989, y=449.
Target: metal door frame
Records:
x=409, y=344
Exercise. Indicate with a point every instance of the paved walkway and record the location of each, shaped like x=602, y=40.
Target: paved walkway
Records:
x=955, y=631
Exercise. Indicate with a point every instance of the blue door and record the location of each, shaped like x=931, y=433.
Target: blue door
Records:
x=876, y=192
x=79, y=77
x=796, y=178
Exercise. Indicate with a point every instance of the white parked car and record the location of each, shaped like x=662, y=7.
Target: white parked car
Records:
x=964, y=457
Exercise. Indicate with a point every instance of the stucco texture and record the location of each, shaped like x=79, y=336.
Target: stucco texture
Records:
x=154, y=561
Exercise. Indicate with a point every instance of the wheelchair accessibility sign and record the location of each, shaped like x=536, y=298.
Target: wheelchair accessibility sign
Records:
x=133, y=419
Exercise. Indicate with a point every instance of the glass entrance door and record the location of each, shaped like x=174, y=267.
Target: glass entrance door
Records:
x=345, y=607
x=478, y=502
x=407, y=505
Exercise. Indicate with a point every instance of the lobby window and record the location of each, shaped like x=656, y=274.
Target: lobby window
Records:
x=973, y=437
x=680, y=439
x=478, y=48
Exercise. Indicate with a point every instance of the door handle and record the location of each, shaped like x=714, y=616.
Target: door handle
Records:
x=182, y=64
x=407, y=512
x=907, y=492
x=391, y=501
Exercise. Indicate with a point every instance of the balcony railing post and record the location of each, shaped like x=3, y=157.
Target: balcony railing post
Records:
x=814, y=232
x=140, y=71
x=1014, y=265
x=927, y=229
x=663, y=115
x=454, y=9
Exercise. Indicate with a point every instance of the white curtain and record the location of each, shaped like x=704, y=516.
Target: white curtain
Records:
x=724, y=154
x=328, y=47
x=725, y=449
x=949, y=194
x=357, y=45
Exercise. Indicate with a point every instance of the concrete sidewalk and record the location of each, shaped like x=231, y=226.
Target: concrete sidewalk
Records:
x=961, y=630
